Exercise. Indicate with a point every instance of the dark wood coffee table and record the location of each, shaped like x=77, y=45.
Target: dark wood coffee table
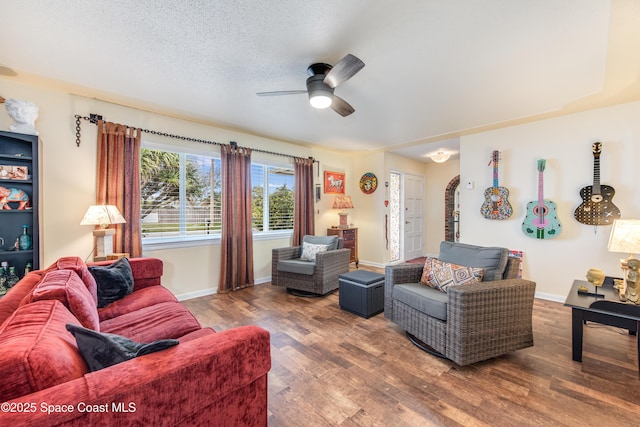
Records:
x=606, y=309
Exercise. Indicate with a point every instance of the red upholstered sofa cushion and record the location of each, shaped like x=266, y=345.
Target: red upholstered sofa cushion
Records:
x=66, y=287
x=144, y=297
x=146, y=271
x=77, y=265
x=35, y=355
x=156, y=322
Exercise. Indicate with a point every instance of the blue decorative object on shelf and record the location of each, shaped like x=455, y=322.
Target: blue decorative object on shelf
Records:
x=25, y=242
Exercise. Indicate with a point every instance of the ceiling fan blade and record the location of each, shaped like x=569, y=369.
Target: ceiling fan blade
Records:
x=281, y=92
x=346, y=68
x=341, y=106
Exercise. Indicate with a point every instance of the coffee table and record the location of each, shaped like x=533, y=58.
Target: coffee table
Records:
x=606, y=309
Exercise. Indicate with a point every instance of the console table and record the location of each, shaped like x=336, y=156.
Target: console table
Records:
x=606, y=309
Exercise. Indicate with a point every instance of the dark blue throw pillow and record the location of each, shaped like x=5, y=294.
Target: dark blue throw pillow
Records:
x=101, y=350
x=114, y=281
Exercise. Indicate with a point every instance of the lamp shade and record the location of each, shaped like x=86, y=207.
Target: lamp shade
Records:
x=102, y=215
x=342, y=202
x=625, y=236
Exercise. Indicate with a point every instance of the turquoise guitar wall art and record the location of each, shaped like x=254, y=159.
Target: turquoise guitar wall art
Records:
x=496, y=204
x=541, y=221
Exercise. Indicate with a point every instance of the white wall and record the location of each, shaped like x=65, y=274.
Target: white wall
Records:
x=566, y=144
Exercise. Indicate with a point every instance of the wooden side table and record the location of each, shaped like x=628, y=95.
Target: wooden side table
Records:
x=350, y=237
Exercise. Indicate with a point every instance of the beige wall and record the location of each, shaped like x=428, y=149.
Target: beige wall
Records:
x=438, y=176
x=68, y=175
x=566, y=144
x=69, y=172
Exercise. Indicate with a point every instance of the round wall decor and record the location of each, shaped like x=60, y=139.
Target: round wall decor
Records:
x=368, y=183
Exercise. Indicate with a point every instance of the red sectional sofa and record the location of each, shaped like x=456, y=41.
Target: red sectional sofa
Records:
x=209, y=378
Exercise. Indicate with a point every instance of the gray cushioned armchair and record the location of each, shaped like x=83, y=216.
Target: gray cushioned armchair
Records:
x=315, y=278
x=470, y=322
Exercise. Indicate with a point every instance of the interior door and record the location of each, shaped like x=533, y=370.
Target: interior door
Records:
x=413, y=216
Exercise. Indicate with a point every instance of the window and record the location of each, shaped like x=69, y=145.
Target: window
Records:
x=275, y=212
x=181, y=196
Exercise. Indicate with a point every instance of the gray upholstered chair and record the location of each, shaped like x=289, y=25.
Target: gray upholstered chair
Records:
x=310, y=278
x=468, y=323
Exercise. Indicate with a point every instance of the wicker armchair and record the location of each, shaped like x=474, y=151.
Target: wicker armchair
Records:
x=306, y=278
x=481, y=320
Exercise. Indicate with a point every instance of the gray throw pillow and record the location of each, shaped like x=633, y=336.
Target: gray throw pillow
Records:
x=492, y=259
x=101, y=350
x=115, y=281
x=330, y=241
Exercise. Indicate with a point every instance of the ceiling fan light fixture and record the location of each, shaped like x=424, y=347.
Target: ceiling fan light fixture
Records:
x=440, y=157
x=320, y=100
x=320, y=94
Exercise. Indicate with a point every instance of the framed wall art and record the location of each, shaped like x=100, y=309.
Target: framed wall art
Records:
x=334, y=182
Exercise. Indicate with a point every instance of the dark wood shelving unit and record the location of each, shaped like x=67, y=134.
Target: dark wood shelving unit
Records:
x=18, y=149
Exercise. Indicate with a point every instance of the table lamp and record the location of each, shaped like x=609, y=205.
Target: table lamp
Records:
x=625, y=237
x=343, y=202
x=104, y=216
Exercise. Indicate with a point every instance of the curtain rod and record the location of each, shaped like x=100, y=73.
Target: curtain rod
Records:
x=93, y=118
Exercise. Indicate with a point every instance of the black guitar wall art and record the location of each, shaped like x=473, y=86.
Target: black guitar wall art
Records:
x=597, y=207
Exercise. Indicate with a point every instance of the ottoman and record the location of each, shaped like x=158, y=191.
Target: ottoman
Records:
x=361, y=292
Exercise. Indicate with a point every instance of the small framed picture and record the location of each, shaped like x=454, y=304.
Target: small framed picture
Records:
x=318, y=192
x=13, y=172
x=334, y=182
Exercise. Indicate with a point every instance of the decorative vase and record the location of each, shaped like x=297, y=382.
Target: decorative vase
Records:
x=25, y=242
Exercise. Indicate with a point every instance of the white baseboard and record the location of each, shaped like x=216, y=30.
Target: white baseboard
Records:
x=550, y=297
x=211, y=291
x=196, y=294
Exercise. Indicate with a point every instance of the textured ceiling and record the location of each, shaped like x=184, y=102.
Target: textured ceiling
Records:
x=434, y=69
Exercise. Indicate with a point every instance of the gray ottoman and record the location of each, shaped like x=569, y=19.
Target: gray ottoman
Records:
x=362, y=292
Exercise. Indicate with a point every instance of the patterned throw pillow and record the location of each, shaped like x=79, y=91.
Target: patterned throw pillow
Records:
x=441, y=275
x=310, y=250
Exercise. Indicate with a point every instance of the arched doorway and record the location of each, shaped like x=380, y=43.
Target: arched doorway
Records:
x=451, y=211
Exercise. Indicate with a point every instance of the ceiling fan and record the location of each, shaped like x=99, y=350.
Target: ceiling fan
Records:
x=323, y=79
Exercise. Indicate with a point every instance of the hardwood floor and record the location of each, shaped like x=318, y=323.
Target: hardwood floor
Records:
x=333, y=368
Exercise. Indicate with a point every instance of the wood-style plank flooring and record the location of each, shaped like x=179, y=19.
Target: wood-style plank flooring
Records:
x=333, y=368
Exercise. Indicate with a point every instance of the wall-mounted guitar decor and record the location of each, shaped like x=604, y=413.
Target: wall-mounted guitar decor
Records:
x=496, y=204
x=596, y=207
x=541, y=221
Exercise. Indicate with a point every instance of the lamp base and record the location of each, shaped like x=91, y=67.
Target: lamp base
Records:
x=343, y=220
x=104, y=243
